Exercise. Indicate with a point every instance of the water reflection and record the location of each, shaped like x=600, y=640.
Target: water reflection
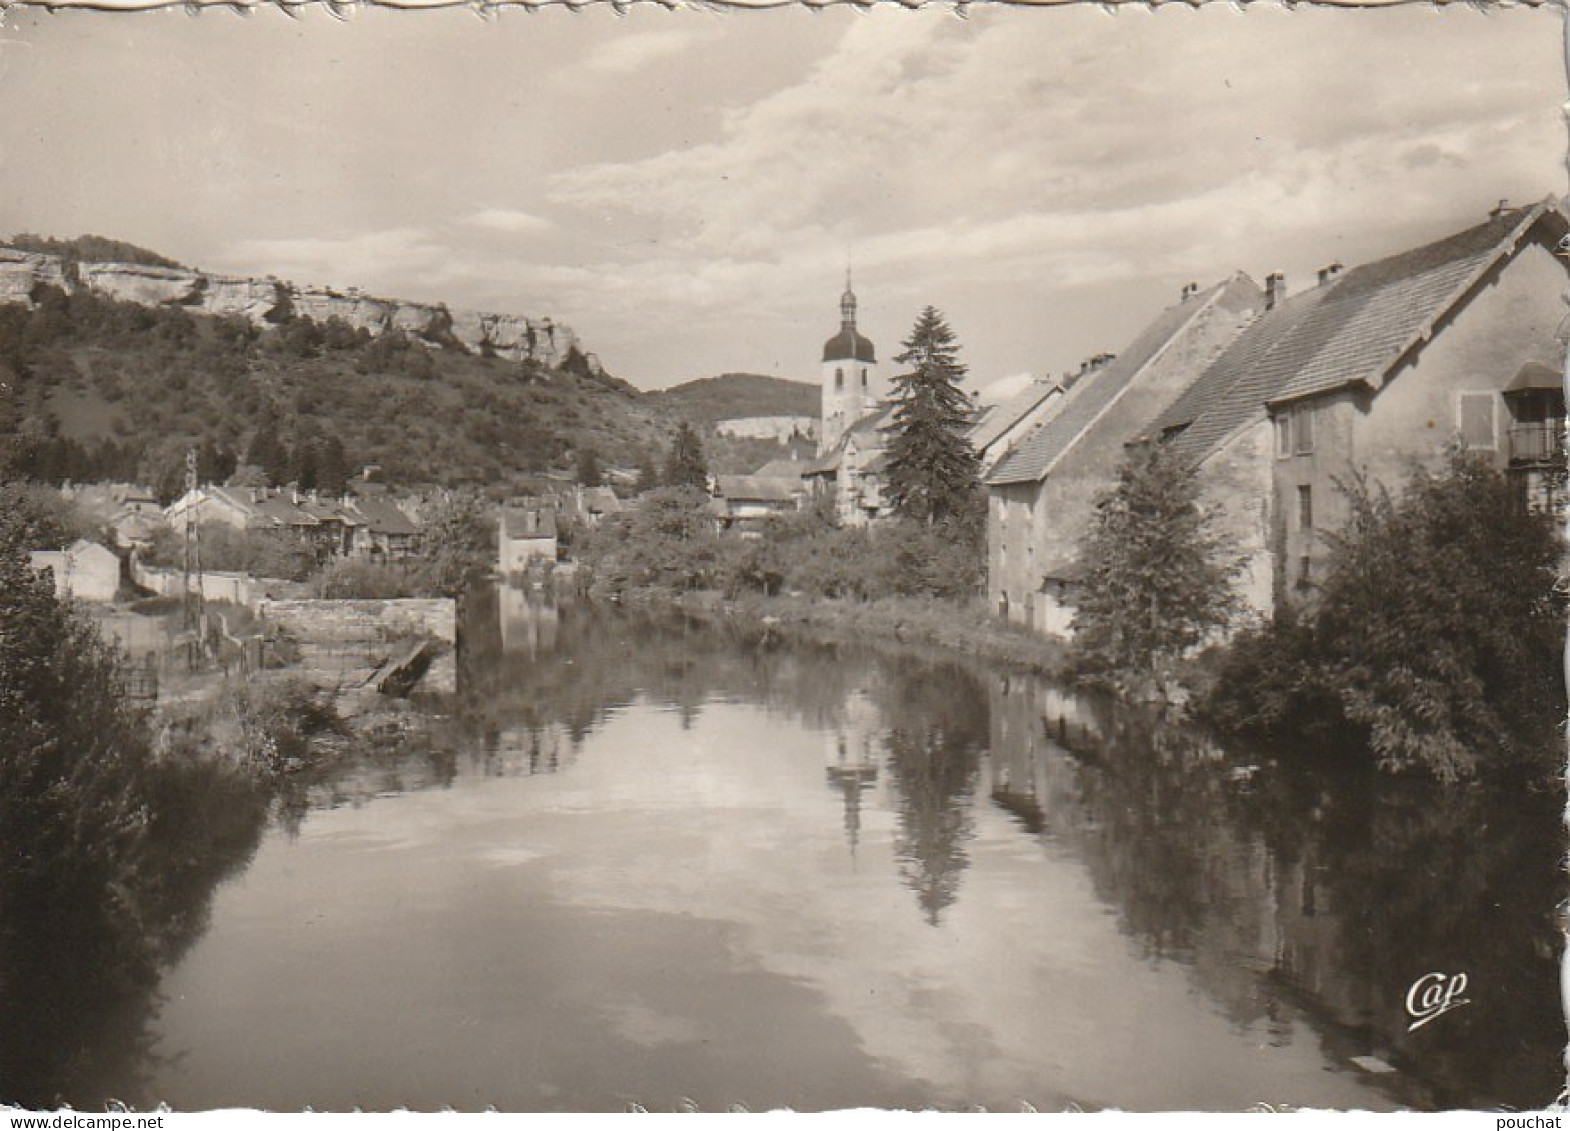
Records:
x=1290, y=897
x=961, y=839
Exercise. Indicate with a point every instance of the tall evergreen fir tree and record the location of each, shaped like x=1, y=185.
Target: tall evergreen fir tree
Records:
x=684, y=464
x=932, y=468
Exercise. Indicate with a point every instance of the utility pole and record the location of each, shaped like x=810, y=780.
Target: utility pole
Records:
x=191, y=558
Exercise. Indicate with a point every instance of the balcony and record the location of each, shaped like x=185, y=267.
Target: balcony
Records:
x=1537, y=445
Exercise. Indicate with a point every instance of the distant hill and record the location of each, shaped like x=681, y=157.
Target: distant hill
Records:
x=733, y=395
x=90, y=249
x=105, y=389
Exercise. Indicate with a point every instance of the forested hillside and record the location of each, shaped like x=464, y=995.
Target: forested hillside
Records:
x=733, y=395
x=96, y=388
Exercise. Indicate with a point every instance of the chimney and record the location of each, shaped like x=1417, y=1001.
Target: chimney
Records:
x=1275, y=289
x=1189, y=291
x=1329, y=272
x=1499, y=209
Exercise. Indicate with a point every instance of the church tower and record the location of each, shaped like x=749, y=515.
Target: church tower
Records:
x=851, y=385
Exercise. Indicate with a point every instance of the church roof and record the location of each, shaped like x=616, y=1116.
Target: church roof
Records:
x=848, y=345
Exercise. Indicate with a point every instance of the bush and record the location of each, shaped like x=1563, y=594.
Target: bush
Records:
x=359, y=580
x=1157, y=579
x=1434, y=643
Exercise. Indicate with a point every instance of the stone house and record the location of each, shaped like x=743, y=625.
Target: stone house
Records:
x=1371, y=371
x=526, y=535
x=83, y=570
x=746, y=502
x=1041, y=495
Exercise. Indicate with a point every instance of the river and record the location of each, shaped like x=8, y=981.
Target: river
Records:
x=677, y=866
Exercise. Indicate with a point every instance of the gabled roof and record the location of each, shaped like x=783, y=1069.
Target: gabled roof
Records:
x=381, y=516
x=1383, y=309
x=1351, y=330
x=783, y=469
x=1236, y=385
x=999, y=418
x=757, y=488
x=1038, y=452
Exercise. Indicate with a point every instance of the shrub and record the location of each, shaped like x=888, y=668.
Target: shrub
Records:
x=1157, y=576
x=1434, y=642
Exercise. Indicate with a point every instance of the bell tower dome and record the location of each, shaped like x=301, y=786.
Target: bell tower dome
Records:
x=851, y=384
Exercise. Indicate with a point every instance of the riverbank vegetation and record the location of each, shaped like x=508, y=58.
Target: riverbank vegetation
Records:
x=116, y=823
x=1157, y=578
x=1434, y=643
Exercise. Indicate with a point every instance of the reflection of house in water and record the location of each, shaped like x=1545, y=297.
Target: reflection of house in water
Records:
x=1032, y=725
x=852, y=768
x=528, y=623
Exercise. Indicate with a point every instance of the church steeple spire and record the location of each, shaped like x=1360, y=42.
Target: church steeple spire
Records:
x=848, y=303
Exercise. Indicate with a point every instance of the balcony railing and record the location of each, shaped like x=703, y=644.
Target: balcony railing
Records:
x=1537, y=443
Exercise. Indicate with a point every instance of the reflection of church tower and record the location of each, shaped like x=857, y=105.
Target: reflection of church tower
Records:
x=851, y=385
x=851, y=768
x=852, y=776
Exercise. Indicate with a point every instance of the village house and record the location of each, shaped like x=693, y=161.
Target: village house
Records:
x=526, y=535
x=748, y=502
x=1041, y=494
x=1000, y=427
x=1370, y=372
x=365, y=523
x=83, y=570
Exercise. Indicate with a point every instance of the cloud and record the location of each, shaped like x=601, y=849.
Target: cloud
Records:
x=364, y=259
x=624, y=55
x=507, y=220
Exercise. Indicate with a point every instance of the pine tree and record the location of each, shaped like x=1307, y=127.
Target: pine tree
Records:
x=684, y=464
x=267, y=451
x=332, y=466
x=932, y=468
x=590, y=473
x=648, y=473
x=1157, y=579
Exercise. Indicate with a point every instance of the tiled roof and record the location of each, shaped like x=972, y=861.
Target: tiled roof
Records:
x=1036, y=454
x=1383, y=308
x=757, y=488
x=783, y=468
x=1001, y=417
x=1351, y=330
x=382, y=516
x=1237, y=384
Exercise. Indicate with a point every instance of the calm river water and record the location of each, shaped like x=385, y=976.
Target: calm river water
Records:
x=664, y=864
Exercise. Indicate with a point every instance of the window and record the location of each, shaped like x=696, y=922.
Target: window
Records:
x=839, y=379
x=1305, y=507
x=1283, y=435
x=1305, y=569
x=1303, y=430
x=1475, y=419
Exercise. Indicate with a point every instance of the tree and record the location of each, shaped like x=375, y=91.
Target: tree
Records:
x=684, y=464
x=267, y=450
x=1156, y=576
x=590, y=473
x=648, y=473
x=1434, y=641
x=932, y=468
x=332, y=466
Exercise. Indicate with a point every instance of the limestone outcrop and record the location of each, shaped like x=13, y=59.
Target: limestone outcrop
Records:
x=22, y=272
x=264, y=301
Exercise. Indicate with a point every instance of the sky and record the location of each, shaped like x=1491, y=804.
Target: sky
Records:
x=685, y=187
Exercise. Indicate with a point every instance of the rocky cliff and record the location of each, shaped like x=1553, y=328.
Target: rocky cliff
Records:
x=264, y=301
